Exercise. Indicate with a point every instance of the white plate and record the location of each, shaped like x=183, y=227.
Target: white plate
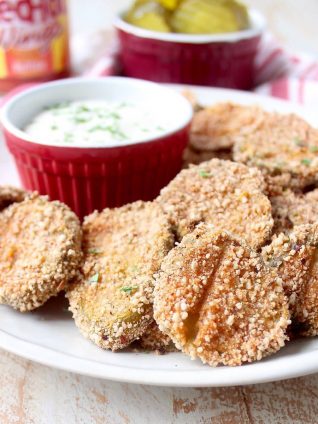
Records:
x=49, y=336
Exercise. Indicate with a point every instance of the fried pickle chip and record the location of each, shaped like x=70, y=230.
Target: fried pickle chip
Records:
x=218, y=302
x=9, y=195
x=40, y=251
x=285, y=148
x=290, y=210
x=223, y=193
x=294, y=257
x=155, y=340
x=123, y=248
x=219, y=126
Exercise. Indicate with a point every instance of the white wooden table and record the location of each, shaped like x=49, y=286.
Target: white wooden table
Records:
x=34, y=394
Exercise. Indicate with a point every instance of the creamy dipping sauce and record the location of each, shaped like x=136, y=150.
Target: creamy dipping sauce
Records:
x=96, y=123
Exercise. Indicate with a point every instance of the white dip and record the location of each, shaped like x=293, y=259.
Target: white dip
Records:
x=96, y=123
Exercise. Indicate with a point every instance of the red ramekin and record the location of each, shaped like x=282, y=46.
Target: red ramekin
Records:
x=90, y=178
x=221, y=60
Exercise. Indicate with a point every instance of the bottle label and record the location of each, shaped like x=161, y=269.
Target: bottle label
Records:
x=33, y=38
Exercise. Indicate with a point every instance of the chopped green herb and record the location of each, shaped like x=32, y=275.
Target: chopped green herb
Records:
x=114, y=115
x=68, y=137
x=80, y=120
x=299, y=142
x=94, y=278
x=204, y=174
x=128, y=289
x=54, y=127
x=60, y=105
x=313, y=149
x=306, y=162
x=94, y=251
x=83, y=108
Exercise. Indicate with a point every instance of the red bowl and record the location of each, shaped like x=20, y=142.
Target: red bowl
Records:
x=90, y=178
x=222, y=60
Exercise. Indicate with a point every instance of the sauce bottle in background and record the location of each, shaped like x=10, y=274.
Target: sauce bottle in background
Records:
x=33, y=41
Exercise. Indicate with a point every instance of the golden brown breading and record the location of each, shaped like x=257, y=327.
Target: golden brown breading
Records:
x=218, y=302
x=223, y=193
x=123, y=248
x=219, y=126
x=294, y=257
x=285, y=148
x=195, y=157
x=155, y=340
x=9, y=195
x=40, y=251
x=290, y=210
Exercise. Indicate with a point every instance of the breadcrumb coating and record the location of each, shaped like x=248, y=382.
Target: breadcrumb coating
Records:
x=9, y=195
x=294, y=257
x=223, y=193
x=155, y=340
x=285, y=148
x=123, y=248
x=218, y=302
x=40, y=251
x=219, y=126
x=290, y=210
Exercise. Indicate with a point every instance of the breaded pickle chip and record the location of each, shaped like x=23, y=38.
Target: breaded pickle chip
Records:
x=218, y=302
x=223, y=193
x=123, y=248
x=219, y=126
x=294, y=257
x=155, y=340
x=290, y=210
x=285, y=148
x=9, y=195
x=40, y=251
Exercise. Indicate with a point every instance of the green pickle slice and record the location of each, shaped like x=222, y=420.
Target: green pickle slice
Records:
x=209, y=17
x=148, y=15
x=189, y=16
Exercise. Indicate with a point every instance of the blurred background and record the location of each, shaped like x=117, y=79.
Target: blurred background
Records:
x=293, y=22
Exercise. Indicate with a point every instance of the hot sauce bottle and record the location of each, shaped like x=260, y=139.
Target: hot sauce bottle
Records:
x=33, y=41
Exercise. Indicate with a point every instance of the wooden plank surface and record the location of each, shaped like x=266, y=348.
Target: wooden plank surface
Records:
x=35, y=394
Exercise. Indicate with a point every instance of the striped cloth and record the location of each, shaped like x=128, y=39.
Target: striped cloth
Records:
x=280, y=73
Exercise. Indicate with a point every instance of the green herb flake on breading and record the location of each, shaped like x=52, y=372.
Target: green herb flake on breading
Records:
x=94, y=278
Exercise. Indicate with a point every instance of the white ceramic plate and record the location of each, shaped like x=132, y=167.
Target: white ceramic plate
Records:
x=49, y=336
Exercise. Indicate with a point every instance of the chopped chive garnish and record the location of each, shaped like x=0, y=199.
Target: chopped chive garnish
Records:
x=128, y=289
x=306, y=162
x=83, y=108
x=56, y=106
x=94, y=278
x=204, y=174
x=80, y=120
x=299, y=142
x=94, y=251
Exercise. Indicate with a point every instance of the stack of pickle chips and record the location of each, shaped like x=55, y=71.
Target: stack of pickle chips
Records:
x=189, y=16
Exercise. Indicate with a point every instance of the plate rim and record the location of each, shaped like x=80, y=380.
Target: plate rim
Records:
x=304, y=363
